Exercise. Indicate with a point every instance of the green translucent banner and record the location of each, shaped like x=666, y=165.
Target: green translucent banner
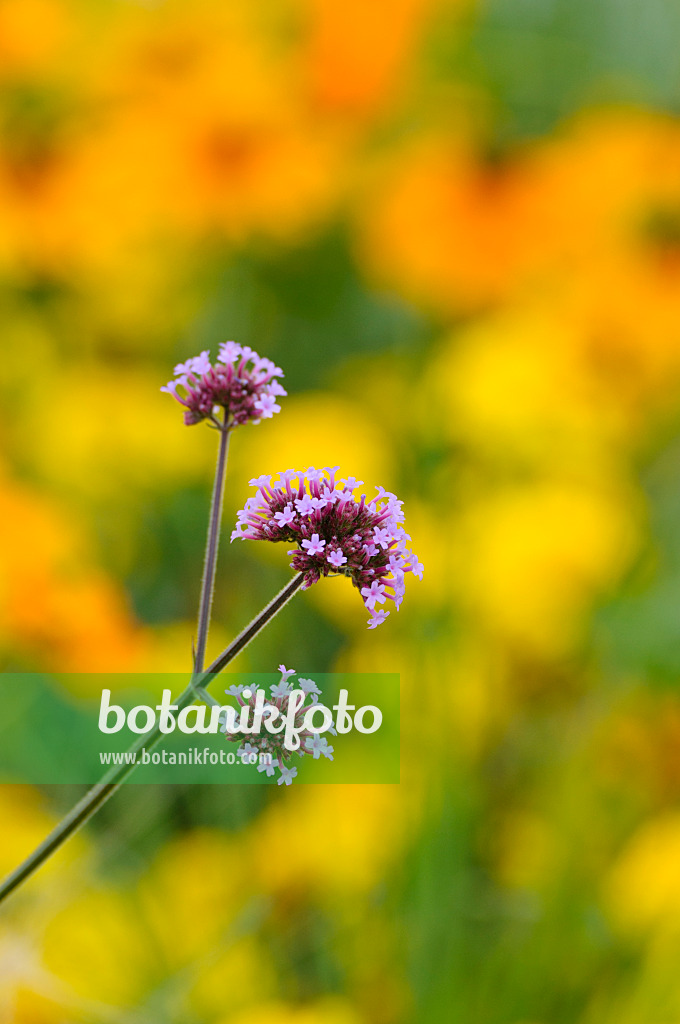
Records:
x=50, y=730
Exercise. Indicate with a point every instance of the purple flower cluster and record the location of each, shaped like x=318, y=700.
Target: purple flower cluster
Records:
x=335, y=534
x=262, y=742
x=241, y=382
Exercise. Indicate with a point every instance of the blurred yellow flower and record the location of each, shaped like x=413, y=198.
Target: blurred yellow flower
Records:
x=224, y=971
x=192, y=894
x=28, y=1005
x=24, y=822
x=529, y=560
x=616, y=171
x=330, y=1010
x=32, y=32
x=517, y=390
x=642, y=891
x=99, y=949
x=104, y=434
x=337, y=839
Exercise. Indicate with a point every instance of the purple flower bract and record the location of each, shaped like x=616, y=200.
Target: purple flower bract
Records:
x=241, y=382
x=335, y=534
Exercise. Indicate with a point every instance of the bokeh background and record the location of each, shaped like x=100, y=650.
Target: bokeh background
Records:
x=457, y=228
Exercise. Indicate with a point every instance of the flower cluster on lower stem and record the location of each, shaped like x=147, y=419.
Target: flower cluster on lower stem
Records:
x=336, y=534
x=262, y=742
x=241, y=382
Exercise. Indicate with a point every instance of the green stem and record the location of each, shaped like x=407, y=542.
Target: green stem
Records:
x=100, y=793
x=212, y=545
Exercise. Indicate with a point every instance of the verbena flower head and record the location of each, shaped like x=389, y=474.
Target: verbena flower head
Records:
x=335, y=534
x=241, y=382
x=263, y=742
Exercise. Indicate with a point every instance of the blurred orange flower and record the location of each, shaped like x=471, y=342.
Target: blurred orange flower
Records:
x=57, y=611
x=358, y=53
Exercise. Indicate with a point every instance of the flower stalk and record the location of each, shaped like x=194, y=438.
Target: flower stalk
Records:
x=212, y=545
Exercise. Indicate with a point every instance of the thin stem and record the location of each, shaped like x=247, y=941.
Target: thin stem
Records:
x=100, y=793
x=212, y=545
